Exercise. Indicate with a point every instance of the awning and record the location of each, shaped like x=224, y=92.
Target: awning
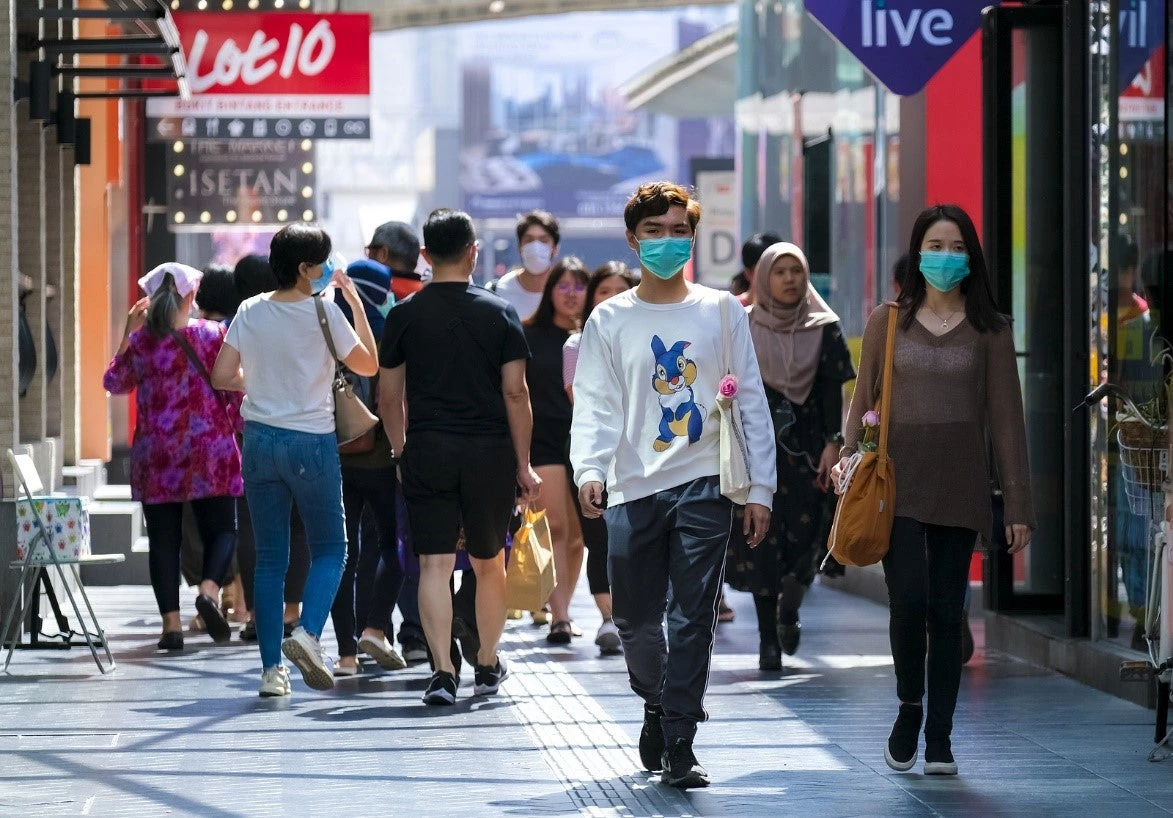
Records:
x=698, y=81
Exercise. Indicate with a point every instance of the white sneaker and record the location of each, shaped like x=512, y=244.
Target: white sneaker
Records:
x=382, y=652
x=275, y=682
x=608, y=639
x=307, y=653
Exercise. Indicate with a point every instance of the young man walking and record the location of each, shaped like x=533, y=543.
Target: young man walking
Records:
x=458, y=354
x=649, y=369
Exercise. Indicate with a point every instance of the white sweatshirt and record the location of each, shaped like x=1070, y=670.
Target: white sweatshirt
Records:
x=645, y=415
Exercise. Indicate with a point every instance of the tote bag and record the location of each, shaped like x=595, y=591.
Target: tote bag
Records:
x=735, y=479
x=862, y=529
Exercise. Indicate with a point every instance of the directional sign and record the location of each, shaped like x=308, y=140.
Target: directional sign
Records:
x=902, y=42
x=166, y=128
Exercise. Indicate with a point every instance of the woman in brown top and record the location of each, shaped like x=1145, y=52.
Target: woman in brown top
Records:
x=955, y=386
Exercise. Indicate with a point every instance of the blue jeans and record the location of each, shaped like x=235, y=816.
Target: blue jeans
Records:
x=282, y=467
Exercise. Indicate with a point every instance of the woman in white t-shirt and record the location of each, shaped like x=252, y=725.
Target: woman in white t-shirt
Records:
x=276, y=353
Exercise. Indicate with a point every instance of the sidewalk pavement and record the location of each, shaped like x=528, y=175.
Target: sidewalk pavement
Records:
x=187, y=734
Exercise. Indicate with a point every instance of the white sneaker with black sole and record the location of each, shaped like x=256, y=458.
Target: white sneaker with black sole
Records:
x=608, y=639
x=488, y=679
x=307, y=654
x=275, y=682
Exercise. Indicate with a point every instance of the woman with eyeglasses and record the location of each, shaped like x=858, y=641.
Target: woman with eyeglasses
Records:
x=558, y=315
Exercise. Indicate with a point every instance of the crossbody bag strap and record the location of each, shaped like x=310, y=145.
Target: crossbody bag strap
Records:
x=325, y=325
x=886, y=389
x=190, y=352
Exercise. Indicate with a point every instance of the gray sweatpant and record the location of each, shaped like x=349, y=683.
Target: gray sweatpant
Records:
x=673, y=539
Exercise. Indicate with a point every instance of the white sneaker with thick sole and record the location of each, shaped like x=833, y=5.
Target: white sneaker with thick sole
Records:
x=382, y=652
x=307, y=654
x=275, y=682
x=608, y=639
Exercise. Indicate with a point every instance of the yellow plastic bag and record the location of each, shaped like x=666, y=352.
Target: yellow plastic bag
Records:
x=530, y=579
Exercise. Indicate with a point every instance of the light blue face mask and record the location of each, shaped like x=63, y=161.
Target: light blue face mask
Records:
x=323, y=281
x=943, y=270
x=665, y=257
x=382, y=306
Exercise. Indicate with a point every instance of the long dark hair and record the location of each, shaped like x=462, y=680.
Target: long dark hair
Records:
x=605, y=271
x=165, y=302
x=980, y=308
x=568, y=265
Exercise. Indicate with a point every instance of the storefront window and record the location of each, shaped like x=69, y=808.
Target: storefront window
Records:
x=1135, y=251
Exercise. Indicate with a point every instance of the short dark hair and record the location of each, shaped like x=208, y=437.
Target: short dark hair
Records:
x=254, y=276
x=656, y=199
x=755, y=246
x=297, y=244
x=401, y=244
x=539, y=218
x=448, y=234
x=606, y=270
x=981, y=310
x=571, y=266
x=217, y=292
x=739, y=284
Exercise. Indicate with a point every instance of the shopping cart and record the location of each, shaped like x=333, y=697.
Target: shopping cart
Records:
x=1145, y=471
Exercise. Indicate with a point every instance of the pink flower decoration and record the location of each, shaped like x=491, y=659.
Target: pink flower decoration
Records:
x=871, y=419
x=728, y=387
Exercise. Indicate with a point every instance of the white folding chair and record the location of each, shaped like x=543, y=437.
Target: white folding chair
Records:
x=31, y=485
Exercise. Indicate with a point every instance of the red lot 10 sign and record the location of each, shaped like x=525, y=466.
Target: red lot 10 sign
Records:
x=270, y=76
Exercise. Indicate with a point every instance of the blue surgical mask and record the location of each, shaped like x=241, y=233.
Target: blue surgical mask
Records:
x=665, y=257
x=943, y=270
x=321, y=282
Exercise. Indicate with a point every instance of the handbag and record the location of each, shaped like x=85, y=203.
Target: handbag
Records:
x=862, y=530
x=735, y=478
x=352, y=418
x=530, y=577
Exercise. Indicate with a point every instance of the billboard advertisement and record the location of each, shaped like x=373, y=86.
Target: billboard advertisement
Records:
x=543, y=123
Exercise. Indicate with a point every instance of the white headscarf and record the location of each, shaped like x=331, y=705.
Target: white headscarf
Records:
x=186, y=278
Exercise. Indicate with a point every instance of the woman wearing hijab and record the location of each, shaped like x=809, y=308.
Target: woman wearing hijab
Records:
x=185, y=446
x=804, y=362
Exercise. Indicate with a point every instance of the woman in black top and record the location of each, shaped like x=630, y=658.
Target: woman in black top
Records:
x=558, y=314
x=804, y=362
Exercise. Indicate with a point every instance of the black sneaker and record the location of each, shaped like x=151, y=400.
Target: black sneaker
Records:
x=769, y=657
x=789, y=632
x=171, y=640
x=901, y=749
x=488, y=679
x=651, y=739
x=249, y=632
x=681, y=769
x=939, y=758
x=442, y=689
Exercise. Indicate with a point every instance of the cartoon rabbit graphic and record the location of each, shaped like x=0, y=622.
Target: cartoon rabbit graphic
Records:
x=681, y=416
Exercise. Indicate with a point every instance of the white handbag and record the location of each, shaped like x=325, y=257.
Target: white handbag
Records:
x=735, y=479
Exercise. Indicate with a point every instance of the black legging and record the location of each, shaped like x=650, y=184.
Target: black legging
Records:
x=373, y=576
x=216, y=520
x=927, y=571
x=246, y=557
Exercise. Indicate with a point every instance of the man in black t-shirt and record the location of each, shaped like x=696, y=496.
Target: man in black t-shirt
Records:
x=453, y=358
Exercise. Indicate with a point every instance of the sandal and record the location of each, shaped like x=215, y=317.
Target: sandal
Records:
x=560, y=633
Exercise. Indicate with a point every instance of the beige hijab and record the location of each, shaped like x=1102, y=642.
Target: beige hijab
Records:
x=788, y=340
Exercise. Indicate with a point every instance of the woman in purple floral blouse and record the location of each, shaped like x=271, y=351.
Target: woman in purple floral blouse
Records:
x=185, y=447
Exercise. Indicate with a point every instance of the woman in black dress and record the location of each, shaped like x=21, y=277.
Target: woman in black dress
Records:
x=557, y=316
x=804, y=362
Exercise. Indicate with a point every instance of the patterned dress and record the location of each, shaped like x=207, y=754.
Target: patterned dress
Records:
x=185, y=444
x=802, y=512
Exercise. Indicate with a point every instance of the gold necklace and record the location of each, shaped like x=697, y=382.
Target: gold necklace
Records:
x=944, y=321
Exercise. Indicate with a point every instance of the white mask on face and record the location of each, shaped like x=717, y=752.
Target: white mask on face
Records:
x=536, y=257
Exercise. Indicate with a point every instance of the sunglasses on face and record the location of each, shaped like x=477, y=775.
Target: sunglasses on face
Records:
x=570, y=289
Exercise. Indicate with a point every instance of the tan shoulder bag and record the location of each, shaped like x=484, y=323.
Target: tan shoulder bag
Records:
x=862, y=529
x=352, y=419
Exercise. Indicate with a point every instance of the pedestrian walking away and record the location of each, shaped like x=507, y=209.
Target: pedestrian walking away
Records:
x=184, y=446
x=276, y=354
x=954, y=387
x=454, y=400
x=804, y=362
x=650, y=365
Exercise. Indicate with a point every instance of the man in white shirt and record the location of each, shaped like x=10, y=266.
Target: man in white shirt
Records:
x=649, y=368
x=538, y=241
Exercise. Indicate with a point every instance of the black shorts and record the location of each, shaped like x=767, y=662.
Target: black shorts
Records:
x=451, y=481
